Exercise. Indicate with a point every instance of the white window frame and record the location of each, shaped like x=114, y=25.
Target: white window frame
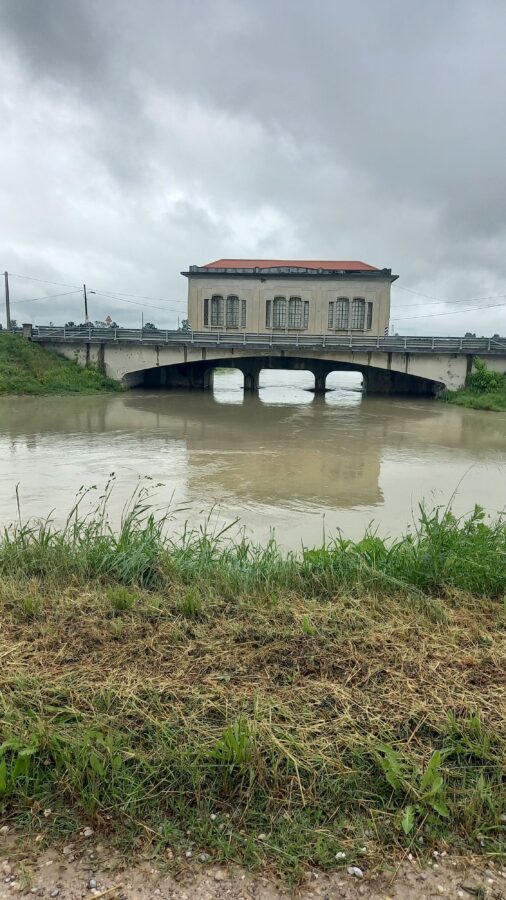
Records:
x=217, y=311
x=358, y=314
x=342, y=314
x=295, y=312
x=232, y=311
x=279, y=312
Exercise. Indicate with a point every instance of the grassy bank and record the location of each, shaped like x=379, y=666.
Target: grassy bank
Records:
x=273, y=709
x=491, y=400
x=27, y=368
x=484, y=390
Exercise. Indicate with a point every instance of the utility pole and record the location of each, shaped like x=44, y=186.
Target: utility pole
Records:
x=86, y=319
x=7, y=301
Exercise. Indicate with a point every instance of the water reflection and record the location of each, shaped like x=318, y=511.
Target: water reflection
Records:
x=284, y=459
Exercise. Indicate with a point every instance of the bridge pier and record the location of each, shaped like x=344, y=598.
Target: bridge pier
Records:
x=251, y=382
x=320, y=381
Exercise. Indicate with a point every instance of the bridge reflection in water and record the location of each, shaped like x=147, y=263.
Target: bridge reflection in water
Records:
x=284, y=458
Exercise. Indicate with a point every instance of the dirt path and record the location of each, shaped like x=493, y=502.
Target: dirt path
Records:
x=84, y=869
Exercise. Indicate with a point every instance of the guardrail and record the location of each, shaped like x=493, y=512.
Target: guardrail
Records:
x=354, y=342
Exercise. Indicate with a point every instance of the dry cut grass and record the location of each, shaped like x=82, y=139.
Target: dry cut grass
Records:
x=255, y=707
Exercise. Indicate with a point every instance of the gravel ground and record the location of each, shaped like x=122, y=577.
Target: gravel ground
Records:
x=85, y=869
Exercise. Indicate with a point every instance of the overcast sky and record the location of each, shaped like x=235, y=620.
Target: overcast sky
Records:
x=138, y=138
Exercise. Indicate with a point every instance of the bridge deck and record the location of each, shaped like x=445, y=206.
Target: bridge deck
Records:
x=358, y=343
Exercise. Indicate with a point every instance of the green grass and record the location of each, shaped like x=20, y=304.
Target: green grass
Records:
x=491, y=400
x=268, y=708
x=27, y=368
x=484, y=389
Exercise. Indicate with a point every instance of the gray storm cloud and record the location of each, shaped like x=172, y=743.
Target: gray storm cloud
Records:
x=140, y=138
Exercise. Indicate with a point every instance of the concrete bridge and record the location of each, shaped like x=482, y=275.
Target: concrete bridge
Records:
x=173, y=359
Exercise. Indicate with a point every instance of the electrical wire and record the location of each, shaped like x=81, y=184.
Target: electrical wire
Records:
x=119, y=296
x=400, y=287
x=454, y=312
x=134, y=302
x=47, y=297
x=95, y=290
x=43, y=280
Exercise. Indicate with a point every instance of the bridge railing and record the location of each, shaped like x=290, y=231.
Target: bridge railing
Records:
x=354, y=342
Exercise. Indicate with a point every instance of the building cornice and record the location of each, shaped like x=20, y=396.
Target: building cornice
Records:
x=288, y=272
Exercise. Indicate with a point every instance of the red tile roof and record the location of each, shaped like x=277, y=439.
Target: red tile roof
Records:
x=352, y=266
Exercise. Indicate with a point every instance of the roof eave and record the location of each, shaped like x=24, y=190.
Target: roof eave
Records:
x=202, y=272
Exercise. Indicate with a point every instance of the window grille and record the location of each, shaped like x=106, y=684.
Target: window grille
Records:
x=206, y=311
x=295, y=312
x=331, y=315
x=268, y=305
x=306, y=314
x=369, y=316
x=358, y=314
x=232, y=312
x=279, y=312
x=243, y=313
x=342, y=318
x=217, y=311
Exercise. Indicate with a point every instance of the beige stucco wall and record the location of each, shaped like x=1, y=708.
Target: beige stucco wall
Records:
x=319, y=292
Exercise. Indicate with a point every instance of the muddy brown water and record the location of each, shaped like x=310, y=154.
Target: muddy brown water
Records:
x=287, y=460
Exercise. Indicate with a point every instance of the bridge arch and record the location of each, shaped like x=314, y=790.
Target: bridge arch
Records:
x=198, y=374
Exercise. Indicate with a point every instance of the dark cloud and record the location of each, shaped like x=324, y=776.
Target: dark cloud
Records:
x=139, y=138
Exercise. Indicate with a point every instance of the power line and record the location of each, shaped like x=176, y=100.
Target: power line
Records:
x=43, y=280
x=445, y=300
x=106, y=293
x=134, y=302
x=451, y=302
x=454, y=312
x=119, y=296
x=47, y=297
x=139, y=296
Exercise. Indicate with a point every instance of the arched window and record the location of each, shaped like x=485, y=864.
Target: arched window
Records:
x=358, y=314
x=279, y=312
x=342, y=317
x=217, y=310
x=232, y=312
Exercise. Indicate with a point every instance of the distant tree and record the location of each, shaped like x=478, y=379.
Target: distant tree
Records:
x=185, y=325
x=469, y=334
x=70, y=324
x=150, y=327
x=14, y=323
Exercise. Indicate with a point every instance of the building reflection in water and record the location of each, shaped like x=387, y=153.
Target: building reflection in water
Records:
x=282, y=453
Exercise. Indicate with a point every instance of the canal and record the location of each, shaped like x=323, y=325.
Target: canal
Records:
x=286, y=460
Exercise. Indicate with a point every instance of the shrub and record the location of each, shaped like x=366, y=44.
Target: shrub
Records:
x=483, y=380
